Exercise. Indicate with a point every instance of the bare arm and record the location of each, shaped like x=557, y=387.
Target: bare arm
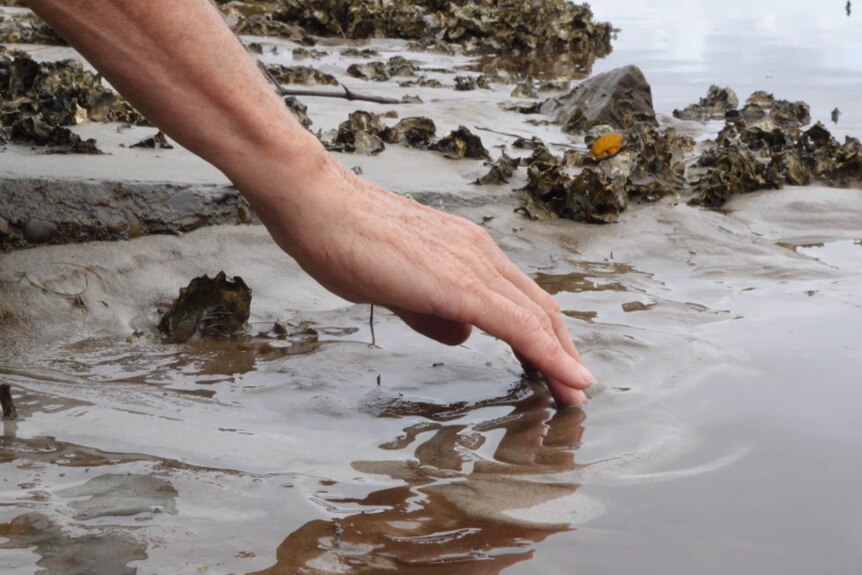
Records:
x=179, y=64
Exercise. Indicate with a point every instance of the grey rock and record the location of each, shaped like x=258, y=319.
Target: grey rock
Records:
x=114, y=495
x=86, y=210
x=621, y=98
x=39, y=231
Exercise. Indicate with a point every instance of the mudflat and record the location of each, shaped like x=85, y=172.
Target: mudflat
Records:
x=722, y=436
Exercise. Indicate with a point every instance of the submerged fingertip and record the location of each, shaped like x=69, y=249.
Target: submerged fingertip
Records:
x=585, y=376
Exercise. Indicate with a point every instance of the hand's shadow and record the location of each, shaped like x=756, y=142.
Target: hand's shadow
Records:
x=450, y=516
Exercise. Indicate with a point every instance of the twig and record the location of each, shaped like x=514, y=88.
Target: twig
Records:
x=511, y=135
x=347, y=95
x=371, y=325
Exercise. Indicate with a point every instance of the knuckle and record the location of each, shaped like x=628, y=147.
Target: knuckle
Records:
x=478, y=236
x=552, y=306
x=545, y=322
x=526, y=321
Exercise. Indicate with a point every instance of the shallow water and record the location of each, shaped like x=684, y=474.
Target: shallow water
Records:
x=796, y=49
x=723, y=437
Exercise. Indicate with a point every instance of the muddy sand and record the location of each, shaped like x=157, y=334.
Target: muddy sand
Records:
x=723, y=435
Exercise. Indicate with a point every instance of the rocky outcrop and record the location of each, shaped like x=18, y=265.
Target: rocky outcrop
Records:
x=620, y=98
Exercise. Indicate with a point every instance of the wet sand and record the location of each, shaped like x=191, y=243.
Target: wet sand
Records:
x=722, y=438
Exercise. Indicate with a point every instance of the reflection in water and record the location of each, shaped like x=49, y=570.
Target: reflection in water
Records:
x=542, y=67
x=450, y=515
x=62, y=554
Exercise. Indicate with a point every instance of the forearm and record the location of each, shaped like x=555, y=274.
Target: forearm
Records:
x=179, y=64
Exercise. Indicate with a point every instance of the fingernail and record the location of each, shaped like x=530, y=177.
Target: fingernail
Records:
x=580, y=398
x=568, y=397
x=584, y=375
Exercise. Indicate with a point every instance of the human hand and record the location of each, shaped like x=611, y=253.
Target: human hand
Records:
x=441, y=274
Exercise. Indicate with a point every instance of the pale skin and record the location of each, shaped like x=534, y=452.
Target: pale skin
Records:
x=180, y=65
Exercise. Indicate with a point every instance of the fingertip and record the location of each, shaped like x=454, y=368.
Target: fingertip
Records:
x=566, y=396
x=569, y=371
x=584, y=375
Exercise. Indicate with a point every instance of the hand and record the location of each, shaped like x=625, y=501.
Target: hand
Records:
x=439, y=273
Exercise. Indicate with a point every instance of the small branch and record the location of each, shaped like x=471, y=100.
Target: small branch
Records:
x=511, y=135
x=371, y=325
x=348, y=94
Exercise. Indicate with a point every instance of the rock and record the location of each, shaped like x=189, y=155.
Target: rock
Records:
x=367, y=143
x=39, y=231
x=7, y=404
x=651, y=165
x=360, y=133
x=460, y=144
x=157, y=140
x=134, y=227
x=116, y=495
x=5, y=228
x=368, y=71
x=400, y=66
x=717, y=103
x=303, y=75
x=467, y=83
x=244, y=215
x=396, y=66
x=415, y=132
x=525, y=90
x=27, y=28
x=39, y=99
x=760, y=98
x=217, y=307
x=486, y=26
x=302, y=53
x=752, y=112
x=621, y=98
x=500, y=171
x=733, y=170
x=788, y=114
x=360, y=53
x=262, y=24
x=299, y=111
